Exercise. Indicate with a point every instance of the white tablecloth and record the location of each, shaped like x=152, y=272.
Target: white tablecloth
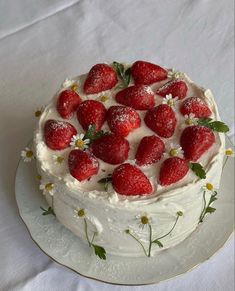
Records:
x=42, y=43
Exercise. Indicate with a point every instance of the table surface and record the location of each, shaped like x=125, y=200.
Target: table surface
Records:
x=42, y=43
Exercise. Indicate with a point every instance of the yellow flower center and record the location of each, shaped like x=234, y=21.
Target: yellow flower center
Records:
x=144, y=220
x=60, y=160
x=104, y=98
x=29, y=154
x=229, y=152
x=189, y=121
x=38, y=113
x=49, y=186
x=81, y=212
x=209, y=186
x=171, y=102
x=173, y=152
x=79, y=143
x=39, y=177
x=74, y=87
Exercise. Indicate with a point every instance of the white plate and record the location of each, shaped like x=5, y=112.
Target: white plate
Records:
x=67, y=249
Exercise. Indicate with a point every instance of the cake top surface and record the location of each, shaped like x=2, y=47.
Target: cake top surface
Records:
x=128, y=133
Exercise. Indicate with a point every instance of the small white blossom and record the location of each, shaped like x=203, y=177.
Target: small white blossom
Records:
x=143, y=219
x=58, y=159
x=190, y=119
x=27, y=155
x=79, y=142
x=209, y=188
x=47, y=187
x=230, y=152
x=173, y=74
x=169, y=100
x=79, y=212
x=175, y=150
x=67, y=83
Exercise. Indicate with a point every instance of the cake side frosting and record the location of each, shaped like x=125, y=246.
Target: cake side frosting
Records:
x=111, y=214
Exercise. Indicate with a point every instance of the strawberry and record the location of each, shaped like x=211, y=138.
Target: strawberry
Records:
x=68, y=103
x=82, y=165
x=91, y=112
x=195, y=141
x=173, y=170
x=139, y=97
x=129, y=180
x=161, y=119
x=122, y=119
x=177, y=88
x=150, y=150
x=101, y=77
x=147, y=73
x=196, y=106
x=112, y=149
x=58, y=134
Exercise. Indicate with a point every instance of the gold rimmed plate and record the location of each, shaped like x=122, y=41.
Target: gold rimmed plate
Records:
x=68, y=250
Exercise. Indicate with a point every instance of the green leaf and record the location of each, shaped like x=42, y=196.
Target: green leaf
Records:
x=156, y=241
x=99, y=251
x=92, y=135
x=198, y=170
x=218, y=126
x=124, y=75
x=47, y=211
x=210, y=209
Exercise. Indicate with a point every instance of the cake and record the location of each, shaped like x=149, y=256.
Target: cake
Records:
x=130, y=157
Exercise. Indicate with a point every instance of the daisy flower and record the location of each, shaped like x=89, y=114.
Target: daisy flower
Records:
x=79, y=142
x=47, y=188
x=169, y=100
x=58, y=159
x=104, y=98
x=38, y=112
x=27, y=155
x=229, y=152
x=143, y=219
x=190, y=119
x=78, y=213
x=67, y=83
x=173, y=74
x=208, y=187
x=175, y=150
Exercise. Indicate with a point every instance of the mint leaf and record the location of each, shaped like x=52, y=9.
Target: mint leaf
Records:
x=99, y=251
x=47, y=211
x=92, y=135
x=218, y=126
x=156, y=241
x=124, y=75
x=198, y=170
x=210, y=209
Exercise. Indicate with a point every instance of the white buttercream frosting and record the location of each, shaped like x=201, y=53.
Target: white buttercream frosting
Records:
x=110, y=214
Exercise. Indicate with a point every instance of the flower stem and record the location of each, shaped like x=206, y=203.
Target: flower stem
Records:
x=225, y=162
x=150, y=239
x=52, y=202
x=93, y=237
x=177, y=218
x=135, y=238
x=204, y=207
x=87, y=232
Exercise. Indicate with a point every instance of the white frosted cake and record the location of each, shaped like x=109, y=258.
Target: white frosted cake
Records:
x=130, y=157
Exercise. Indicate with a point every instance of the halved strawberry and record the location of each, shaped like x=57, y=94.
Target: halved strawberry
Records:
x=82, y=165
x=67, y=103
x=162, y=120
x=173, y=170
x=147, y=73
x=129, y=180
x=122, y=119
x=101, y=77
x=58, y=134
x=91, y=112
x=177, y=88
x=150, y=150
x=139, y=97
x=195, y=141
x=112, y=149
x=196, y=106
